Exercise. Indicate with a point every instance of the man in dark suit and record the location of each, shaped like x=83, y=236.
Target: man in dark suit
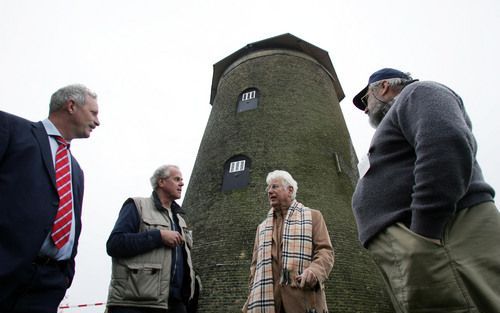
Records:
x=38, y=235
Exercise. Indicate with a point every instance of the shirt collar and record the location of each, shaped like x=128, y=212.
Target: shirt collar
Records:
x=174, y=206
x=50, y=128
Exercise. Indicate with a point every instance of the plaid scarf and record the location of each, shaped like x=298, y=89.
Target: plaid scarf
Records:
x=296, y=255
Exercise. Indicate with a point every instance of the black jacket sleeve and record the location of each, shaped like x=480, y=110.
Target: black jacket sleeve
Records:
x=125, y=240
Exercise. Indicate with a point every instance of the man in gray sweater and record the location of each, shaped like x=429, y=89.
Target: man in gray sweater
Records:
x=422, y=207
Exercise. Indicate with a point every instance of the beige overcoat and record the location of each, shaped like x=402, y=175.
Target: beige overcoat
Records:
x=293, y=299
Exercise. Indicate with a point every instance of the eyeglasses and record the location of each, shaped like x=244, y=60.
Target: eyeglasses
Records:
x=364, y=99
x=273, y=187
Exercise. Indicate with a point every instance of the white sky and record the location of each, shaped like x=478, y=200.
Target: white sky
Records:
x=150, y=61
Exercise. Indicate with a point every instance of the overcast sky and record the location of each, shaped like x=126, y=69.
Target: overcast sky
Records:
x=150, y=62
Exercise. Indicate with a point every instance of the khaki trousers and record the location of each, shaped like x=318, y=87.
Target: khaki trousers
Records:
x=460, y=275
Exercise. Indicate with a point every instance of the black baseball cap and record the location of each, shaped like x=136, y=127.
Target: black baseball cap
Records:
x=385, y=73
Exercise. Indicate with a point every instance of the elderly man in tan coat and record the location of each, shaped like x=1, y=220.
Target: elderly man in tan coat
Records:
x=292, y=255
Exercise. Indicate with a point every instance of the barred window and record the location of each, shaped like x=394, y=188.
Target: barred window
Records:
x=237, y=166
x=248, y=100
x=248, y=95
x=236, y=173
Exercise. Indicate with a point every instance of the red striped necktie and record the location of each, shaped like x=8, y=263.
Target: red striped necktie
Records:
x=62, y=224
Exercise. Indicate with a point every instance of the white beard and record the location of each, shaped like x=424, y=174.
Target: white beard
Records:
x=380, y=109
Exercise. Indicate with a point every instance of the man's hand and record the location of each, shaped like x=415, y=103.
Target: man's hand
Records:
x=171, y=238
x=307, y=278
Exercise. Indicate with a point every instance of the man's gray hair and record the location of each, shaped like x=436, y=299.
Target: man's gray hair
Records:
x=75, y=92
x=161, y=172
x=395, y=83
x=285, y=178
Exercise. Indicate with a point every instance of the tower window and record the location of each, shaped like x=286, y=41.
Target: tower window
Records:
x=236, y=173
x=248, y=95
x=237, y=166
x=248, y=99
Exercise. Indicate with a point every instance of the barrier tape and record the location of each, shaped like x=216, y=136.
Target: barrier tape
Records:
x=81, y=305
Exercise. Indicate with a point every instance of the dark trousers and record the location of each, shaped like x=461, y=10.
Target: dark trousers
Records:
x=174, y=306
x=41, y=291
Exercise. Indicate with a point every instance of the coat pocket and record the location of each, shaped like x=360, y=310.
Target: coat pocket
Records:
x=143, y=281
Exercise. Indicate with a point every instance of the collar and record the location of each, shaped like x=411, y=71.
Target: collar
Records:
x=50, y=128
x=176, y=209
x=278, y=211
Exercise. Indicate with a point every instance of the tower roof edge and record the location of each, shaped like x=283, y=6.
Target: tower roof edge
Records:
x=284, y=41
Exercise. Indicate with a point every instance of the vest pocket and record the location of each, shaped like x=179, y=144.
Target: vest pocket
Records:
x=143, y=281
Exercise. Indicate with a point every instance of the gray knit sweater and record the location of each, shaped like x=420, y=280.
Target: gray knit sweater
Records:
x=422, y=165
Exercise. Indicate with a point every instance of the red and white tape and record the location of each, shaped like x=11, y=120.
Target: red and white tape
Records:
x=81, y=305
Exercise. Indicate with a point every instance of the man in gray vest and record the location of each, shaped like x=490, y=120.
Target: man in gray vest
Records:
x=422, y=207
x=151, y=250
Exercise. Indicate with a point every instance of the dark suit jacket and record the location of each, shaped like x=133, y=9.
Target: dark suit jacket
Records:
x=28, y=198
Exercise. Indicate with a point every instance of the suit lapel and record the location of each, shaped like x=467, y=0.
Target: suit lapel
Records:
x=43, y=141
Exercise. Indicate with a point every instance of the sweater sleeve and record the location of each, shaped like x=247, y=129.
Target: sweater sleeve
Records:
x=433, y=120
x=125, y=240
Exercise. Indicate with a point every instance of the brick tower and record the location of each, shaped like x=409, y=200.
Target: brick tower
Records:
x=275, y=105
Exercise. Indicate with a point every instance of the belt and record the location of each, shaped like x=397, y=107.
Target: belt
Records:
x=43, y=260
